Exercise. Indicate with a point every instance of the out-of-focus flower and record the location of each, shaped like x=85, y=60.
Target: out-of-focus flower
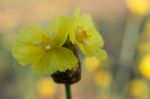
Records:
x=138, y=88
x=103, y=79
x=46, y=87
x=144, y=66
x=139, y=7
x=91, y=63
x=43, y=49
x=84, y=34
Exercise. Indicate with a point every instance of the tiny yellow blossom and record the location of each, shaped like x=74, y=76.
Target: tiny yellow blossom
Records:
x=91, y=63
x=138, y=88
x=103, y=79
x=43, y=49
x=144, y=66
x=46, y=87
x=84, y=34
x=139, y=7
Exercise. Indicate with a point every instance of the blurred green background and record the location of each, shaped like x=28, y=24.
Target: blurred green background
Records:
x=125, y=27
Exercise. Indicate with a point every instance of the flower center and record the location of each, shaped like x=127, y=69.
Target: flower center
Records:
x=48, y=47
x=46, y=42
x=82, y=36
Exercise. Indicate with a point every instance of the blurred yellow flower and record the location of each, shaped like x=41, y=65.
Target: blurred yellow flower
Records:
x=138, y=88
x=139, y=7
x=103, y=79
x=144, y=66
x=91, y=63
x=46, y=87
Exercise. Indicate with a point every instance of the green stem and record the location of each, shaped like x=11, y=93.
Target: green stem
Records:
x=68, y=91
x=127, y=55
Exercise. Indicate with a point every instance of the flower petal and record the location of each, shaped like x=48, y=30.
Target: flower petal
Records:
x=84, y=21
x=59, y=29
x=30, y=34
x=90, y=51
x=95, y=39
x=24, y=50
x=59, y=59
x=26, y=54
x=94, y=45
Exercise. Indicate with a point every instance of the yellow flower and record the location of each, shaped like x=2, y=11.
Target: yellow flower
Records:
x=139, y=7
x=91, y=63
x=85, y=35
x=138, y=88
x=43, y=49
x=144, y=66
x=103, y=79
x=46, y=87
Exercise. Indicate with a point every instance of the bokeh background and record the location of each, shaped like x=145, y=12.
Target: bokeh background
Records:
x=125, y=27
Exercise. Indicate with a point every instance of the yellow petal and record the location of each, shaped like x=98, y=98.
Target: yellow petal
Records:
x=94, y=46
x=80, y=20
x=59, y=29
x=24, y=50
x=95, y=39
x=84, y=21
x=90, y=51
x=30, y=34
x=59, y=59
x=85, y=35
x=27, y=54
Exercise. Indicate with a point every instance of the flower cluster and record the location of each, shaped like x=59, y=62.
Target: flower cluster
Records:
x=45, y=50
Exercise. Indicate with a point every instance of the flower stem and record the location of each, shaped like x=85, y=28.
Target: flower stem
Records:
x=68, y=91
x=127, y=55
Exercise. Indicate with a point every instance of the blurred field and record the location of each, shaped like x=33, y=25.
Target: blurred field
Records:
x=124, y=75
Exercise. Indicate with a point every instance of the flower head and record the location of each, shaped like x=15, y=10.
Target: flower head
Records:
x=139, y=7
x=138, y=88
x=43, y=49
x=103, y=79
x=92, y=64
x=46, y=87
x=144, y=66
x=85, y=35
